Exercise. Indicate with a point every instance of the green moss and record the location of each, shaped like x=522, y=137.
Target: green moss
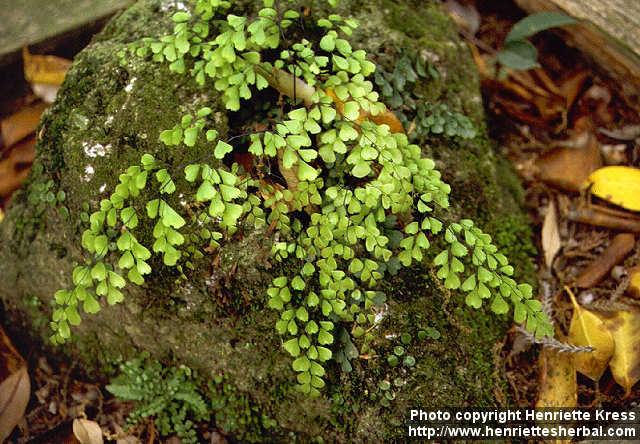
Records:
x=215, y=322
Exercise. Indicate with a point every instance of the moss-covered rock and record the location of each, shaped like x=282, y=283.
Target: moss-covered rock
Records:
x=109, y=112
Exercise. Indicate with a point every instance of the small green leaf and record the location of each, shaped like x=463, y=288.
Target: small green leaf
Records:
x=152, y=208
x=328, y=42
x=115, y=280
x=469, y=284
x=190, y=136
x=519, y=313
x=306, y=172
x=129, y=217
x=473, y=300
x=222, y=149
x=519, y=55
x=301, y=313
x=499, y=306
x=181, y=16
x=324, y=354
x=206, y=192
x=361, y=169
x=134, y=276
x=114, y=296
x=351, y=110
x=324, y=337
x=441, y=258
x=100, y=244
x=90, y=305
x=292, y=347
x=169, y=216
x=535, y=23
x=297, y=283
x=312, y=327
x=99, y=271
x=126, y=261
x=72, y=315
x=302, y=364
x=191, y=172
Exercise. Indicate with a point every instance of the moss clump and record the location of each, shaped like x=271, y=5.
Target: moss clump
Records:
x=109, y=113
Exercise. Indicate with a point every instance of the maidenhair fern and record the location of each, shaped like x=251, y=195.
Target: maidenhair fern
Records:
x=358, y=201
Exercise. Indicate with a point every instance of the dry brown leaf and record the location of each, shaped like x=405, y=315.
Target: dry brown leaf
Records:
x=14, y=169
x=19, y=125
x=568, y=168
x=625, y=363
x=603, y=217
x=572, y=86
x=619, y=248
x=15, y=387
x=46, y=69
x=87, y=431
x=558, y=385
x=588, y=330
x=550, y=235
x=129, y=439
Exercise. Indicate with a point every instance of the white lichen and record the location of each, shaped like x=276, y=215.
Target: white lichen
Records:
x=129, y=86
x=96, y=150
x=88, y=173
x=173, y=5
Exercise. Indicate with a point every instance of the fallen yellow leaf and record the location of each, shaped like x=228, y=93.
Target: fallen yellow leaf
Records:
x=558, y=386
x=625, y=363
x=617, y=184
x=588, y=330
x=44, y=68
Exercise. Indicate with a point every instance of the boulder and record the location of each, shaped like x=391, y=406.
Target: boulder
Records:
x=111, y=110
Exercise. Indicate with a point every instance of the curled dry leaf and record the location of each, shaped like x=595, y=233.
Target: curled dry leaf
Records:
x=571, y=87
x=87, y=431
x=569, y=167
x=617, y=184
x=558, y=385
x=14, y=169
x=15, y=387
x=619, y=248
x=550, y=235
x=588, y=330
x=625, y=363
x=627, y=133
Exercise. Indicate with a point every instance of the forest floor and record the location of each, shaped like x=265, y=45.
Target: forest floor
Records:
x=561, y=125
